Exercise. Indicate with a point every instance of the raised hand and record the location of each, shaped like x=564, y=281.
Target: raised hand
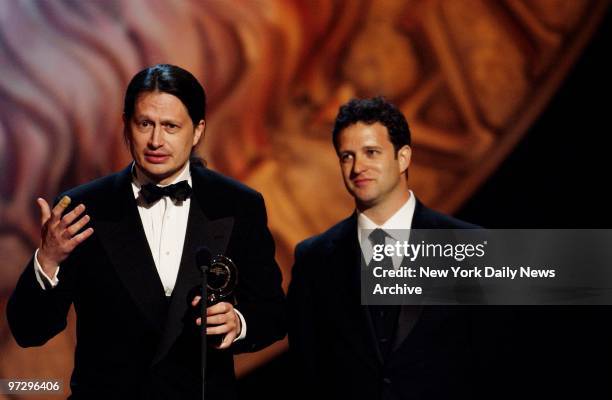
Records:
x=58, y=237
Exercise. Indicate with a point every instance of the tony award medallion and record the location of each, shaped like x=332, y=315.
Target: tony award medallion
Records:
x=222, y=280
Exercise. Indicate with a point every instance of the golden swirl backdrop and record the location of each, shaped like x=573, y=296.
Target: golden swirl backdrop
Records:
x=471, y=75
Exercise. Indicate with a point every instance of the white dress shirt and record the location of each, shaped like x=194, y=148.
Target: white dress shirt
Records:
x=397, y=228
x=165, y=226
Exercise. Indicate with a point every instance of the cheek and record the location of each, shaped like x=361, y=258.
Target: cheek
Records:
x=346, y=171
x=180, y=145
x=390, y=166
x=188, y=145
x=137, y=146
x=132, y=145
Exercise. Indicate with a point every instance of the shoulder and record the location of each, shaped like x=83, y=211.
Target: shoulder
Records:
x=427, y=218
x=318, y=250
x=221, y=196
x=98, y=189
x=323, y=243
x=221, y=185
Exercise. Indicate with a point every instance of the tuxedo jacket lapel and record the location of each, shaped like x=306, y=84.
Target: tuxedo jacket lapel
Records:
x=122, y=235
x=410, y=315
x=201, y=231
x=420, y=218
x=347, y=254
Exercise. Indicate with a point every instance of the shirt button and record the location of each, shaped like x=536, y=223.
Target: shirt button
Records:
x=167, y=253
x=387, y=380
x=168, y=291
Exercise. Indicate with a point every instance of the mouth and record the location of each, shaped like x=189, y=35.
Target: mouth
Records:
x=156, y=158
x=361, y=182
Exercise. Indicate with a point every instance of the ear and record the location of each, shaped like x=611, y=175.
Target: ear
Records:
x=198, y=132
x=404, y=156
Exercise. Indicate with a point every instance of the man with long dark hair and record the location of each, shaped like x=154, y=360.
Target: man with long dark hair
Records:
x=122, y=250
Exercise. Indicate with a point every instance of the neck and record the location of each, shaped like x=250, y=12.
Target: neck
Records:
x=380, y=213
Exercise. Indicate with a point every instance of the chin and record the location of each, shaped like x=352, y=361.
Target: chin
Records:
x=363, y=198
x=365, y=202
x=156, y=172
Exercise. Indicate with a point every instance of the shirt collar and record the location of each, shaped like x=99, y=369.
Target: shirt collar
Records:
x=398, y=222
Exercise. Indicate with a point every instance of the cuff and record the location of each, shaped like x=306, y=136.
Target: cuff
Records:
x=242, y=326
x=42, y=278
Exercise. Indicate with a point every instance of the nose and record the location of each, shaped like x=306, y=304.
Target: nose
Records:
x=359, y=165
x=156, y=140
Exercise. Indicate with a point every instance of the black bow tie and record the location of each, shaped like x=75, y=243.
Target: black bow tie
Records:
x=179, y=191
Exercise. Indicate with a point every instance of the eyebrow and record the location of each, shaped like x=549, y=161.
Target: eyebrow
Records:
x=363, y=148
x=143, y=117
x=170, y=121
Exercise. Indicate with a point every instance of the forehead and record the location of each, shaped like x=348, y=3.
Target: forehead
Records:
x=160, y=104
x=360, y=135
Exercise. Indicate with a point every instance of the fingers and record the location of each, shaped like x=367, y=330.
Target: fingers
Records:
x=228, y=327
x=45, y=211
x=67, y=230
x=218, y=319
x=60, y=207
x=71, y=216
x=196, y=300
x=228, y=331
x=61, y=234
x=218, y=329
x=221, y=320
x=219, y=308
x=74, y=228
x=211, y=330
x=227, y=340
x=220, y=313
x=80, y=238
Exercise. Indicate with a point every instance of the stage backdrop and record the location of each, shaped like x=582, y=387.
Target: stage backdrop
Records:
x=471, y=76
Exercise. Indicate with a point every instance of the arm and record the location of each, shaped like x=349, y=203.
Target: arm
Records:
x=260, y=297
x=302, y=323
x=35, y=313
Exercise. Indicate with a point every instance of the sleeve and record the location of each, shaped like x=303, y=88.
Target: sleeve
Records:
x=43, y=279
x=260, y=297
x=36, y=314
x=302, y=324
x=243, y=327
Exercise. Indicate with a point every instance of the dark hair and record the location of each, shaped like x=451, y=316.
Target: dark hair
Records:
x=370, y=111
x=168, y=79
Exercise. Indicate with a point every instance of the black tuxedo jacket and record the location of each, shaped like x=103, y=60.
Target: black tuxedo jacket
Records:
x=438, y=351
x=132, y=341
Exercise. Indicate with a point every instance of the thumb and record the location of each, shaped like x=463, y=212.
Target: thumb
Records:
x=45, y=211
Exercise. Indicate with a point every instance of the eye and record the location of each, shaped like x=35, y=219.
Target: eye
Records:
x=170, y=127
x=345, y=157
x=372, y=152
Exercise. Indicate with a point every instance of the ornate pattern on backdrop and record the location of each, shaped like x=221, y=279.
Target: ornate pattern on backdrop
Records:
x=471, y=75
